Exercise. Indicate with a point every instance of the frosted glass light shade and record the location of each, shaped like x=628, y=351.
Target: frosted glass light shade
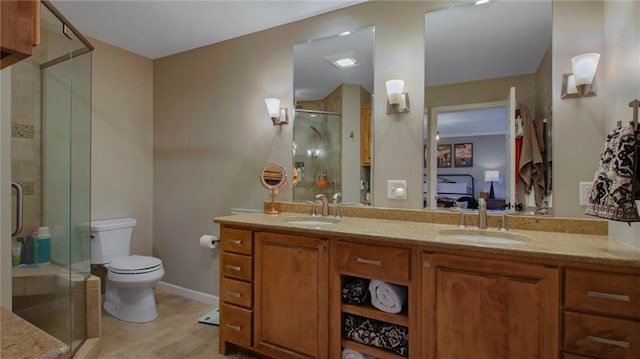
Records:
x=395, y=88
x=273, y=107
x=571, y=85
x=491, y=176
x=584, y=67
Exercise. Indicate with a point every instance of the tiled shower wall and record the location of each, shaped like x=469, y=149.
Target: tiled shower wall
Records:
x=26, y=153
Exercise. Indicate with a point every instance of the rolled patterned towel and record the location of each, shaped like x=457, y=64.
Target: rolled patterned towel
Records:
x=387, y=297
x=353, y=354
x=355, y=291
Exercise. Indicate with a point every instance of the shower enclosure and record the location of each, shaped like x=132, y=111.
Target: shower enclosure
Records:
x=316, y=154
x=47, y=99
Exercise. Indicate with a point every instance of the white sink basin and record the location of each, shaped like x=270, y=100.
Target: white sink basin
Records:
x=483, y=236
x=312, y=221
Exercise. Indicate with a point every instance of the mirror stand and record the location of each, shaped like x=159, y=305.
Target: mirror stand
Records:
x=273, y=210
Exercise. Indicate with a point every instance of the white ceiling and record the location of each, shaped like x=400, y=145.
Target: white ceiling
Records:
x=158, y=28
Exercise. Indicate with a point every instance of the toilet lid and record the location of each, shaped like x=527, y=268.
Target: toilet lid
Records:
x=134, y=265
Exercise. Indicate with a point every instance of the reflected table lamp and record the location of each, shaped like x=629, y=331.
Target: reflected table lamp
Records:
x=490, y=176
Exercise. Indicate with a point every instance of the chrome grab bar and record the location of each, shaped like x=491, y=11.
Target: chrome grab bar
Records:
x=19, y=209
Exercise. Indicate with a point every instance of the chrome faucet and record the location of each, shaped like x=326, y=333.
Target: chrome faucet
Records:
x=325, y=204
x=336, y=197
x=482, y=213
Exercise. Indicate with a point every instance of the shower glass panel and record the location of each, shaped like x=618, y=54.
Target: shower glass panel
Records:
x=51, y=149
x=316, y=154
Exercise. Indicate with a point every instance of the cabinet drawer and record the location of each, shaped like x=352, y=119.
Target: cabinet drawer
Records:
x=236, y=292
x=573, y=356
x=601, y=337
x=237, y=266
x=235, y=324
x=236, y=241
x=379, y=262
x=602, y=292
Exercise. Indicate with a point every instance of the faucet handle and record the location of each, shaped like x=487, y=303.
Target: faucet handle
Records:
x=463, y=222
x=337, y=196
x=313, y=207
x=503, y=223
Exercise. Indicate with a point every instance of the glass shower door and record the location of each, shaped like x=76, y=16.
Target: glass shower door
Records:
x=51, y=149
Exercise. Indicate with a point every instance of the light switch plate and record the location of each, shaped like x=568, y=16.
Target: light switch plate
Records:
x=396, y=189
x=585, y=190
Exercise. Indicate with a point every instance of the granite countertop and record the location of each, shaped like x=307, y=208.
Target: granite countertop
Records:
x=584, y=248
x=21, y=339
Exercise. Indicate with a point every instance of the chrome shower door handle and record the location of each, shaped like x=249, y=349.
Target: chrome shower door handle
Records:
x=19, y=209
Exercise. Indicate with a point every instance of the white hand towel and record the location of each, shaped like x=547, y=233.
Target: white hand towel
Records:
x=352, y=354
x=387, y=297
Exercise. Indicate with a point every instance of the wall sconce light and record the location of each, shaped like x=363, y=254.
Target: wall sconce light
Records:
x=397, y=99
x=278, y=115
x=491, y=176
x=581, y=82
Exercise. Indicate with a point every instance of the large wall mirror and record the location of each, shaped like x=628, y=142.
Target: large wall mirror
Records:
x=488, y=106
x=333, y=86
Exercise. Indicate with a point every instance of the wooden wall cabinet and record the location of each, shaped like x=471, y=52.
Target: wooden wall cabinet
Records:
x=489, y=309
x=20, y=30
x=365, y=135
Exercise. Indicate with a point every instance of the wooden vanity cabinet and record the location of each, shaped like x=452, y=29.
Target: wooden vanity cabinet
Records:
x=601, y=314
x=492, y=309
x=370, y=260
x=291, y=296
x=20, y=30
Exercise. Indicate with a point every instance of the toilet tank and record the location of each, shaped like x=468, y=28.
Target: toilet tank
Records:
x=110, y=239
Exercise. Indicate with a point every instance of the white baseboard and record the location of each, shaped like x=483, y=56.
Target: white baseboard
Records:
x=188, y=293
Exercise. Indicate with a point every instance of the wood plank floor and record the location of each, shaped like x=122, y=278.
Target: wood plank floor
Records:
x=175, y=334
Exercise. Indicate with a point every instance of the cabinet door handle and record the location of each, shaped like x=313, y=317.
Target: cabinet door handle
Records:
x=374, y=262
x=237, y=328
x=235, y=241
x=235, y=268
x=623, y=298
x=233, y=294
x=618, y=343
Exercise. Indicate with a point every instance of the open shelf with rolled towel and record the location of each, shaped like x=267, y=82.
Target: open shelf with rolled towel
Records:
x=375, y=309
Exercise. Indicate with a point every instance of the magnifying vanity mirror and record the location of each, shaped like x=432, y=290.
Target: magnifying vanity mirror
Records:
x=273, y=178
x=333, y=85
x=487, y=67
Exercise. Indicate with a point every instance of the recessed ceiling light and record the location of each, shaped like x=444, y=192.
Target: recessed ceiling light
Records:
x=345, y=33
x=343, y=60
x=481, y=2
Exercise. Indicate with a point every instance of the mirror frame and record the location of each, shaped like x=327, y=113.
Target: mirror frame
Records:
x=273, y=189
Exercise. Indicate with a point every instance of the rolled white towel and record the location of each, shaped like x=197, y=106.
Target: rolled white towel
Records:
x=387, y=297
x=353, y=354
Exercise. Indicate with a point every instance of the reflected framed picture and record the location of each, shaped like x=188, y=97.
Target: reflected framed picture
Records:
x=463, y=154
x=444, y=156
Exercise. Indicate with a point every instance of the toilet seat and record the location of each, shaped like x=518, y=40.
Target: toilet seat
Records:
x=135, y=264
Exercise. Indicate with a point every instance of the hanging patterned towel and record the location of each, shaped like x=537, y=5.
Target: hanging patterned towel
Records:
x=612, y=192
x=376, y=333
x=355, y=291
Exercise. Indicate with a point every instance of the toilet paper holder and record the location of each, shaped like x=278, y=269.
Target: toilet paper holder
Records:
x=209, y=241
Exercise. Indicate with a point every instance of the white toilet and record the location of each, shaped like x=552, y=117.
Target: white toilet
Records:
x=130, y=279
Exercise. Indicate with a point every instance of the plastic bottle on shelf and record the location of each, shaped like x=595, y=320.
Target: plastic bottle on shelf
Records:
x=28, y=250
x=43, y=246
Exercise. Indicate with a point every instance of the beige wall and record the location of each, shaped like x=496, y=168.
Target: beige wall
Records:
x=622, y=41
x=122, y=140
x=578, y=124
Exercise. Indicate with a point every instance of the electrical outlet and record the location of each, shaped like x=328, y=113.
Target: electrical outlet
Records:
x=585, y=191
